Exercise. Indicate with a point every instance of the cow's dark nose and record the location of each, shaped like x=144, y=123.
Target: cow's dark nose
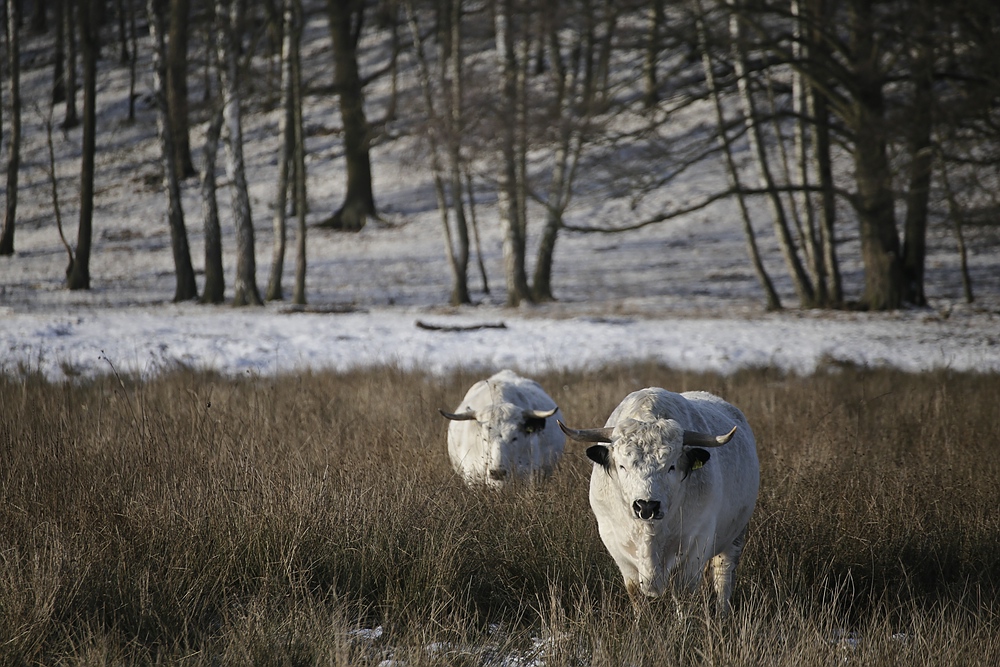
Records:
x=647, y=509
x=498, y=475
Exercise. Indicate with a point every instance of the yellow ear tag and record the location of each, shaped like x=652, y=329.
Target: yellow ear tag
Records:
x=696, y=464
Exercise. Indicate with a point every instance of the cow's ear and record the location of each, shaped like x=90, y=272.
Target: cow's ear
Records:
x=598, y=454
x=534, y=424
x=693, y=458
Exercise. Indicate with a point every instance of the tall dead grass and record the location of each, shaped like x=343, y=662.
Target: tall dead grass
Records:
x=207, y=520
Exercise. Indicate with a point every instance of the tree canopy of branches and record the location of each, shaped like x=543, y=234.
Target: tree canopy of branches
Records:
x=819, y=120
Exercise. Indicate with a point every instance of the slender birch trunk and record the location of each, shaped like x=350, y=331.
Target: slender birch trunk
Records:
x=295, y=17
x=185, y=288
x=803, y=285
x=245, y=286
x=457, y=259
x=14, y=141
x=771, y=295
x=507, y=190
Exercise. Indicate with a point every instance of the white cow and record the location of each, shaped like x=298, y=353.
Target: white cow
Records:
x=666, y=508
x=505, y=428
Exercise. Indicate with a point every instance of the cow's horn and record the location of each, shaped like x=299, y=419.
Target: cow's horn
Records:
x=695, y=439
x=541, y=414
x=587, y=434
x=459, y=417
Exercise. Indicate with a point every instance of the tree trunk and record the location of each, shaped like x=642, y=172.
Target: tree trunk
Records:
x=215, y=279
x=507, y=190
x=286, y=134
x=771, y=295
x=880, y=250
x=245, y=287
x=38, y=20
x=59, y=60
x=176, y=86
x=78, y=273
x=14, y=142
x=650, y=83
x=802, y=110
x=71, y=119
x=568, y=100
x=123, y=50
x=134, y=57
x=921, y=161
x=460, y=293
x=818, y=109
x=186, y=287
x=345, y=18
x=295, y=18
x=955, y=210
x=459, y=279
x=803, y=285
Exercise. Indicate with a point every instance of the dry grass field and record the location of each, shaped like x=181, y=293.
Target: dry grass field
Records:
x=199, y=520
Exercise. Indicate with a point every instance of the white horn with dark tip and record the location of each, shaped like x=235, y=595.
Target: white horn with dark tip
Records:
x=695, y=439
x=458, y=417
x=587, y=434
x=541, y=414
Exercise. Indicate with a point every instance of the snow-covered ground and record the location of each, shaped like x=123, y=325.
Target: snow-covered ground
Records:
x=681, y=292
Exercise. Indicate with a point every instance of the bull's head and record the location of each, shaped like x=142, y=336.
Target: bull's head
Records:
x=509, y=435
x=649, y=460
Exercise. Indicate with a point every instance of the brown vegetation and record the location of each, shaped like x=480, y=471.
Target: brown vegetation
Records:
x=260, y=520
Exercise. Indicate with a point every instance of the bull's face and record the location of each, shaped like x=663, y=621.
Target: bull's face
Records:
x=509, y=440
x=649, y=461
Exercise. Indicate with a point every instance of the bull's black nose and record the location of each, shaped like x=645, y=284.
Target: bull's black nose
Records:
x=647, y=509
x=498, y=474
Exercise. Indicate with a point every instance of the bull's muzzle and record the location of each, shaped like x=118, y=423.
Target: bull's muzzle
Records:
x=647, y=510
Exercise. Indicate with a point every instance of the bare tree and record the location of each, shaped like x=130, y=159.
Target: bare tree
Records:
x=59, y=57
x=346, y=21
x=186, y=288
x=457, y=241
x=215, y=280
x=78, y=273
x=294, y=17
x=758, y=146
x=286, y=138
x=69, y=17
x=176, y=85
x=921, y=152
x=509, y=194
x=230, y=15
x=14, y=142
x=572, y=107
x=773, y=300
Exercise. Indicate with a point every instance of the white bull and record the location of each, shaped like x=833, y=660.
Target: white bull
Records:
x=505, y=428
x=666, y=508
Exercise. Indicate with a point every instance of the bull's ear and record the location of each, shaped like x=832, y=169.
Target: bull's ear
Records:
x=598, y=454
x=692, y=459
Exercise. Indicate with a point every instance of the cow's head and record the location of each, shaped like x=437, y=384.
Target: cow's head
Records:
x=650, y=461
x=510, y=437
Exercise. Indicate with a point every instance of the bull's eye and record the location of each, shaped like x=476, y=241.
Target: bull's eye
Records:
x=671, y=468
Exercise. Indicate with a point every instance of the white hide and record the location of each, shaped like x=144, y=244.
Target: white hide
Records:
x=704, y=516
x=495, y=447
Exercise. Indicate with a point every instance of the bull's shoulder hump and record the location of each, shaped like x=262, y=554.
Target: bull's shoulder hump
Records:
x=649, y=404
x=708, y=403
x=508, y=387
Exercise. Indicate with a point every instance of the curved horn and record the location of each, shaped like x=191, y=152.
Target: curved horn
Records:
x=587, y=434
x=459, y=417
x=541, y=414
x=693, y=438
